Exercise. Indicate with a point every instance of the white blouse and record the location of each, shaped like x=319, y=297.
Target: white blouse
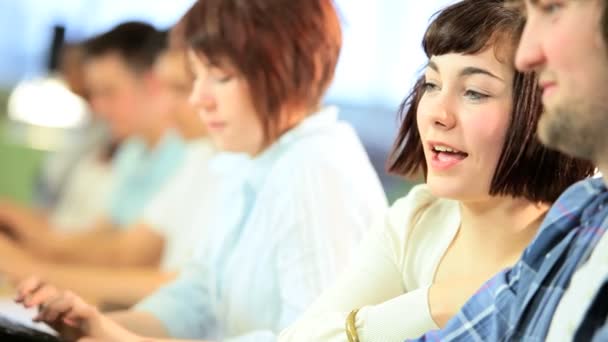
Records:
x=279, y=238
x=180, y=209
x=390, y=277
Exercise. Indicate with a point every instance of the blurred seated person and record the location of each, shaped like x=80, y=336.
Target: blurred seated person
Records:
x=71, y=68
x=152, y=250
x=126, y=91
x=73, y=183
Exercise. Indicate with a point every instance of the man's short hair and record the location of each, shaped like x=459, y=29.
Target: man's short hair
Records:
x=138, y=43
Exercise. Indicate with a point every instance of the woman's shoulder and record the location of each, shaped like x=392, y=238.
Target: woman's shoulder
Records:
x=334, y=141
x=332, y=154
x=419, y=227
x=419, y=200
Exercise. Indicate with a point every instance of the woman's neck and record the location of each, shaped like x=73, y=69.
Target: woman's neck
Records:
x=503, y=225
x=288, y=122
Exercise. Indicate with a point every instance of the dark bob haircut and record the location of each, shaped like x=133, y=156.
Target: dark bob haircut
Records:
x=525, y=168
x=286, y=50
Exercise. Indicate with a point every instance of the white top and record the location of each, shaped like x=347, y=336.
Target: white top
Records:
x=390, y=278
x=59, y=165
x=86, y=194
x=180, y=209
x=289, y=225
x=582, y=290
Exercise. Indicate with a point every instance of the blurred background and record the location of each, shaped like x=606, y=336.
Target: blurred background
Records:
x=380, y=59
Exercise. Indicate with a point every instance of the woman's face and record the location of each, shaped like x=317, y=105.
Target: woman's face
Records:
x=224, y=103
x=176, y=86
x=463, y=118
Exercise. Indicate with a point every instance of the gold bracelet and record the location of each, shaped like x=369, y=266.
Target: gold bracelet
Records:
x=351, y=329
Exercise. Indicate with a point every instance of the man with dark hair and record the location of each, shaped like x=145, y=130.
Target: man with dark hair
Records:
x=120, y=79
x=137, y=43
x=73, y=186
x=546, y=293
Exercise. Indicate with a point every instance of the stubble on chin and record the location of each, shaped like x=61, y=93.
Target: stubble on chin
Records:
x=569, y=130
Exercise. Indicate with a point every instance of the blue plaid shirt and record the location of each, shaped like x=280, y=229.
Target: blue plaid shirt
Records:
x=518, y=304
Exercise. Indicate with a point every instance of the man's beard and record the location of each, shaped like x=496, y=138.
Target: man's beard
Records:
x=580, y=130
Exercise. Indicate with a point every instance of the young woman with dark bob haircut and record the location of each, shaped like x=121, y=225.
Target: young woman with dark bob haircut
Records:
x=295, y=208
x=469, y=127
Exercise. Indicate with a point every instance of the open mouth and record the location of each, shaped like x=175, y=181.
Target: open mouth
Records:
x=447, y=152
x=445, y=156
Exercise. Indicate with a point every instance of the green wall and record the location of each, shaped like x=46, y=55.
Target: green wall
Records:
x=19, y=164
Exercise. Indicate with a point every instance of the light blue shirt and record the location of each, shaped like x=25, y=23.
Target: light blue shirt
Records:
x=140, y=173
x=283, y=230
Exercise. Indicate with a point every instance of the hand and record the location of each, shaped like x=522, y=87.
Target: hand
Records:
x=68, y=314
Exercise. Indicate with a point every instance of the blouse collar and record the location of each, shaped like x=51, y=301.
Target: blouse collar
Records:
x=254, y=170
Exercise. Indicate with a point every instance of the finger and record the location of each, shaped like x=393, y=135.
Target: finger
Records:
x=71, y=322
x=80, y=311
x=45, y=307
x=28, y=286
x=68, y=309
x=43, y=294
x=55, y=309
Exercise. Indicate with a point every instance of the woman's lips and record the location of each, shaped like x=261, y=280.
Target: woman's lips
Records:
x=442, y=161
x=215, y=125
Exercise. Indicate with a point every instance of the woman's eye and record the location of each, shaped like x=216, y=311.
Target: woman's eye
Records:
x=475, y=95
x=220, y=75
x=550, y=7
x=223, y=79
x=429, y=86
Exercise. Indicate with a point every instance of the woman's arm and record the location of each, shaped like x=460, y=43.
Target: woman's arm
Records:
x=372, y=278
x=74, y=319
x=68, y=314
x=141, y=323
x=105, y=286
x=373, y=283
x=104, y=245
